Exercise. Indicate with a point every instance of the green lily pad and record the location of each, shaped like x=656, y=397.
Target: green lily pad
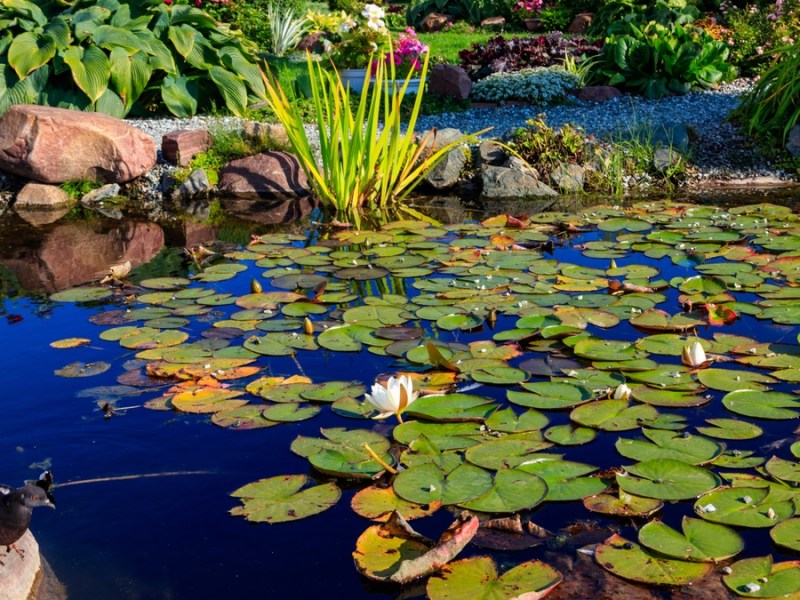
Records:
x=81, y=369
x=452, y=407
x=655, y=319
x=759, y=577
x=338, y=339
x=513, y=490
x=787, y=534
x=507, y=421
x=507, y=452
x=693, y=449
x=731, y=429
x=331, y=391
x=427, y=483
x=243, y=418
x=630, y=561
x=668, y=398
x=622, y=505
x=566, y=479
x=763, y=405
x=613, y=415
x=290, y=412
x=477, y=578
x=667, y=479
x=744, y=507
x=281, y=499
x=87, y=294
x=730, y=380
x=547, y=395
x=499, y=375
x=783, y=470
x=377, y=503
x=700, y=541
x=569, y=435
x=445, y=436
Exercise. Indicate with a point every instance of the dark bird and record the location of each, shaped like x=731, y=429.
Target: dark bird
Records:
x=16, y=507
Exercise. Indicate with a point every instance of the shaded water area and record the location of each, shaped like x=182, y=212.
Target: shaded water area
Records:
x=170, y=536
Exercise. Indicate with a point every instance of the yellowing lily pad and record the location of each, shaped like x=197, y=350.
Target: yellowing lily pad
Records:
x=280, y=499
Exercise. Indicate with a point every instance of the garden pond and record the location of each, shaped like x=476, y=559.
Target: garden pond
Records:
x=551, y=355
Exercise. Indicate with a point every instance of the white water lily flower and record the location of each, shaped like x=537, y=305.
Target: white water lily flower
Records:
x=693, y=355
x=394, y=398
x=623, y=392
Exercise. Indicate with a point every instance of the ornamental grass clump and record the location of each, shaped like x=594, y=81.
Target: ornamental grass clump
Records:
x=370, y=161
x=538, y=85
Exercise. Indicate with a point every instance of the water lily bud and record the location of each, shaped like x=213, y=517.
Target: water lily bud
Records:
x=623, y=392
x=693, y=355
x=308, y=326
x=255, y=286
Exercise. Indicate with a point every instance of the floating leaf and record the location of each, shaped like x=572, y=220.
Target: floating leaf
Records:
x=477, y=578
x=569, y=435
x=80, y=369
x=452, y=407
x=693, y=449
x=787, y=534
x=744, y=507
x=667, y=479
x=427, y=483
x=758, y=577
x=378, y=503
x=207, y=400
x=88, y=294
x=622, y=505
x=763, y=405
x=730, y=380
x=243, y=418
x=613, y=415
x=513, y=490
x=700, y=541
x=507, y=452
x=290, y=412
x=280, y=499
x=547, y=395
x=631, y=561
x=565, y=479
x=70, y=343
x=731, y=429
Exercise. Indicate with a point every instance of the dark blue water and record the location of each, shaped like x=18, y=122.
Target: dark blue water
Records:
x=171, y=537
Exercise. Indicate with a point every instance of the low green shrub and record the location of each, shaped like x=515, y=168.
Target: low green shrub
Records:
x=540, y=85
x=555, y=18
x=121, y=57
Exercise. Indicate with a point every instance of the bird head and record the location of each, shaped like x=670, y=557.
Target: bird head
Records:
x=33, y=496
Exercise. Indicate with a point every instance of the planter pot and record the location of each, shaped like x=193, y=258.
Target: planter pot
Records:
x=533, y=24
x=354, y=78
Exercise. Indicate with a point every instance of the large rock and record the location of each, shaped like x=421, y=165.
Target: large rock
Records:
x=449, y=81
x=268, y=188
x=580, y=23
x=54, y=145
x=568, y=178
x=40, y=196
x=597, y=93
x=503, y=183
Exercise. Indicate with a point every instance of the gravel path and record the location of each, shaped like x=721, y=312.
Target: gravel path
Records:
x=718, y=150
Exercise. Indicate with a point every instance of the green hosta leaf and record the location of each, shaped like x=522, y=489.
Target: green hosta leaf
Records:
x=744, y=507
x=231, y=88
x=631, y=561
x=280, y=499
x=130, y=74
x=758, y=577
x=667, y=479
x=477, y=578
x=700, y=542
x=29, y=51
x=91, y=70
x=693, y=449
x=179, y=96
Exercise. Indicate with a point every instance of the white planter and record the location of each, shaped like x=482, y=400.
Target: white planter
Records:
x=354, y=78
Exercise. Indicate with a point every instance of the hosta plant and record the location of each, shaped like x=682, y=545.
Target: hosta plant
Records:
x=118, y=57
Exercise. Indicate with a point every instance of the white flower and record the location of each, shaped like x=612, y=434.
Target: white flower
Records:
x=376, y=25
x=373, y=11
x=623, y=392
x=394, y=398
x=693, y=355
x=347, y=23
x=327, y=46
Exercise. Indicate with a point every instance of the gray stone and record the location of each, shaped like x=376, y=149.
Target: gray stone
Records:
x=40, y=196
x=196, y=185
x=274, y=133
x=491, y=153
x=449, y=81
x=793, y=141
x=665, y=158
x=596, y=93
x=507, y=183
x=107, y=192
x=568, y=177
x=447, y=173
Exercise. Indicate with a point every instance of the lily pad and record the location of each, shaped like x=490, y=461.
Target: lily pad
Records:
x=622, y=504
x=280, y=499
x=378, y=503
x=763, y=405
x=693, y=449
x=667, y=479
x=744, y=507
x=759, y=577
x=630, y=561
x=513, y=490
x=427, y=483
x=87, y=294
x=787, y=534
x=452, y=407
x=613, y=415
x=547, y=395
x=290, y=412
x=477, y=578
x=700, y=541
x=731, y=429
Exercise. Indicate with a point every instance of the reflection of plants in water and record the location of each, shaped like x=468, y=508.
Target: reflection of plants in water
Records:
x=590, y=338
x=169, y=262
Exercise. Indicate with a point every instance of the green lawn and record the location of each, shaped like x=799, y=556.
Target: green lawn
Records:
x=448, y=45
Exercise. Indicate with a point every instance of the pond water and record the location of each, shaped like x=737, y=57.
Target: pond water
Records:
x=165, y=532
